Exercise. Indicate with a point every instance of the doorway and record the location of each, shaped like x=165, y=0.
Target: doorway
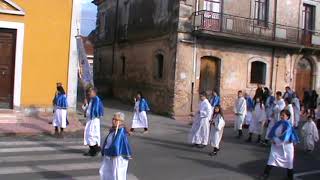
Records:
x=209, y=75
x=303, y=77
x=7, y=59
x=308, y=23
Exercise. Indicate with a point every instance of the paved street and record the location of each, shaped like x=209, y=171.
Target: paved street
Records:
x=163, y=154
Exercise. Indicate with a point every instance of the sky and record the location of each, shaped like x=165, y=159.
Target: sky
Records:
x=88, y=17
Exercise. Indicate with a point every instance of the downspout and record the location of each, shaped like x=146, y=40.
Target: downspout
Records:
x=194, y=60
x=273, y=48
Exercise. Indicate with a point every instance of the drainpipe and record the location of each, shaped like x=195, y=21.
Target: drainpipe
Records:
x=277, y=68
x=194, y=60
x=274, y=19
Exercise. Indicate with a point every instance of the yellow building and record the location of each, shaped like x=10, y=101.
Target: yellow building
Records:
x=37, y=49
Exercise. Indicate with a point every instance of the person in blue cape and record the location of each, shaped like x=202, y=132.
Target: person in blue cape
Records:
x=94, y=111
x=60, y=112
x=116, y=151
x=250, y=108
x=283, y=138
x=140, y=119
x=215, y=99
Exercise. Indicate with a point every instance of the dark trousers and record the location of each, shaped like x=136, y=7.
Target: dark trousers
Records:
x=268, y=169
x=93, y=150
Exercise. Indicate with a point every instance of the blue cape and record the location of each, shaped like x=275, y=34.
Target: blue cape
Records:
x=120, y=145
x=215, y=101
x=61, y=101
x=143, y=105
x=250, y=104
x=97, y=109
x=288, y=132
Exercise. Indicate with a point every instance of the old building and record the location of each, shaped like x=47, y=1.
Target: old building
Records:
x=173, y=49
x=37, y=50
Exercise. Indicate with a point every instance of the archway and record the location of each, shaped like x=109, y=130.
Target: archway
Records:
x=304, y=71
x=209, y=74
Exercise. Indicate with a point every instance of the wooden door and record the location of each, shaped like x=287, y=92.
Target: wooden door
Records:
x=309, y=23
x=209, y=75
x=303, y=77
x=7, y=56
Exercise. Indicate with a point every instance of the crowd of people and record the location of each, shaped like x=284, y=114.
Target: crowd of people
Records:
x=116, y=150
x=272, y=119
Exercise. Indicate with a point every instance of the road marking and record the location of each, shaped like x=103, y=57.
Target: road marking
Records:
x=46, y=168
x=37, y=158
x=306, y=173
x=37, y=149
x=26, y=143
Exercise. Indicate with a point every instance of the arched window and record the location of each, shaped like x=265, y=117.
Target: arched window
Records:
x=258, y=72
x=159, y=66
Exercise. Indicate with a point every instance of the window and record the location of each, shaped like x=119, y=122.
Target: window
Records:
x=212, y=5
x=123, y=69
x=159, y=66
x=261, y=12
x=258, y=72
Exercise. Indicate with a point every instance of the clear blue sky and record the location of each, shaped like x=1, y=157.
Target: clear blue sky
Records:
x=88, y=17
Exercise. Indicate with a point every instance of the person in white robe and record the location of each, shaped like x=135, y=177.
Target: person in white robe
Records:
x=296, y=109
x=140, y=119
x=257, y=123
x=94, y=111
x=199, y=134
x=60, y=120
x=216, y=130
x=240, y=111
x=310, y=134
x=116, y=151
x=278, y=106
x=288, y=102
x=283, y=138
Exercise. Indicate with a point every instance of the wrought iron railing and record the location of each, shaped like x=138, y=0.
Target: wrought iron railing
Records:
x=253, y=28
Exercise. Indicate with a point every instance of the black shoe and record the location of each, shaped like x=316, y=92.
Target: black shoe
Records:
x=214, y=153
x=201, y=146
x=87, y=153
x=194, y=145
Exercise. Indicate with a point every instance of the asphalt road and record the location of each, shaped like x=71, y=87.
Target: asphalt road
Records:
x=163, y=154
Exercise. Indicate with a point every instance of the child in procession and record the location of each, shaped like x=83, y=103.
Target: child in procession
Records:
x=216, y=130
x=283, y=138
x=116, y=151
x=240, y=110
x=94, y=112
x=60, y=112
x=140, y=119
x=258, y=120
x=310, y=134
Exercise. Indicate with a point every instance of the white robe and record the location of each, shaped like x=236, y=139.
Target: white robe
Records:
x=290, y=109
x=113, y=168
x=310, y=135
x=240, y=109
x=92, y=129
x=216, y=131
x=296, y=109
x=282, y=154
x=259, y=117
x=201, y=126
x=140, y=119
x=277, y=108
x=60, y=118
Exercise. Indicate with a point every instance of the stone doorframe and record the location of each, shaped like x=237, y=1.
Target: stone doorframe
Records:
x=314, y=68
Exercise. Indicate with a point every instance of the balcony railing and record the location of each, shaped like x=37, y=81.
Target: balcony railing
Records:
x=253, y=28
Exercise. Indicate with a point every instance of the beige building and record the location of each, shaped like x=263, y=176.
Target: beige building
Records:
x=173, y=49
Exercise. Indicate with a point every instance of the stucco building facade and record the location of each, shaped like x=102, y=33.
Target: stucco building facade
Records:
x=37, y=50
x=172, y=50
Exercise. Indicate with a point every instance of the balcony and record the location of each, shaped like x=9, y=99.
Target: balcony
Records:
x=253, y=31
